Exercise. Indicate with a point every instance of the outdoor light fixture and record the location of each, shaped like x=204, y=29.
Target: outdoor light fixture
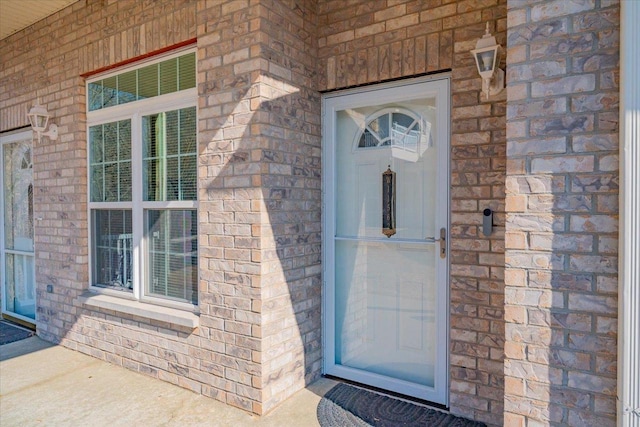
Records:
x=39, y=117
x=487, y=56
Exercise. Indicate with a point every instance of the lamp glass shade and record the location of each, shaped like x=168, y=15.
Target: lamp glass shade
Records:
x=486, y=59
x=38, y=117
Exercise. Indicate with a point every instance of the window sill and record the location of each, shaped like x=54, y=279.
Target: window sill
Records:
x=140, y=309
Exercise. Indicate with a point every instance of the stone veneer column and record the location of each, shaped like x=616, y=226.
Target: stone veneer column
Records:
x=562, y=212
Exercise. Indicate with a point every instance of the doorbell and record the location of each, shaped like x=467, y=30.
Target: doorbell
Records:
x=487, y=222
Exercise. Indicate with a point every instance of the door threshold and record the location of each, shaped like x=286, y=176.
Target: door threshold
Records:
x=400, y=396
x=19, y=322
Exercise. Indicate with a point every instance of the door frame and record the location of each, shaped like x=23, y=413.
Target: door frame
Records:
x=397, y=91
x=6, y=138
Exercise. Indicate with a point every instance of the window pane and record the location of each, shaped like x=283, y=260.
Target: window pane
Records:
x=165, y=154
x=18, y=196
x=172, y=184
x=172, y=254
x=20, y=292
x=110, y=142
x=95, y=138
x=169, y=76
x=124, y=175
x=127, y=87
x=110, y=156
x=188, y=131
x=97, y=183
x=110, y=92
x=188, y=188
x=148, y=81
x=402, y=120
x=380, y=127
x=94, y=95
x=110, y=182
x=112, y=249
x=171, y=130
x=164, y=77
x=187, y=66
x=124, y=140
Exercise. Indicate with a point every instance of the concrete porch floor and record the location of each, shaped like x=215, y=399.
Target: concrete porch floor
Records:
x=47, y=385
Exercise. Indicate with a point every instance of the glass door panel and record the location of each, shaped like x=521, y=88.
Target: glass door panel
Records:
x=18, y=290
x=385, y=317
x=387, y=281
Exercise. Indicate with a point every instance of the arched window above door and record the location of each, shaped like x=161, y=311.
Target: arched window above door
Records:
x=394, y=127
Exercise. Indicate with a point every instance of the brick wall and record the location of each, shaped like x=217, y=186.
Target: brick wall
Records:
x=46, y=61
x=562, y=219
x=230, y=199
x=258, y=339
x=291, y=231
x=259, y=170
x=261, y=193
x=371, y=41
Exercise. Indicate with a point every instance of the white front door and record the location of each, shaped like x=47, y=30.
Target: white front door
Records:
x=386, y=208
x=17, y=269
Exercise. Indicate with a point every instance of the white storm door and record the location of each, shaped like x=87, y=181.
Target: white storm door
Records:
x=17, y=267
x=385, y=264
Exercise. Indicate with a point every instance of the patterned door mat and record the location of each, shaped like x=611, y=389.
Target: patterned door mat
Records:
x=346, y=406
x=10, y=333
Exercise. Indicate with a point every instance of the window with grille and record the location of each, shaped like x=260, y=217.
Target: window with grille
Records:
x=142, y=158
x=396, y=128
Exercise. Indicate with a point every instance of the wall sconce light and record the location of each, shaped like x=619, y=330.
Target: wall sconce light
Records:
x=39, y=117
x=487, y=56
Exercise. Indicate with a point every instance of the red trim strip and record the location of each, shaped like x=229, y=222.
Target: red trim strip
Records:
x=139, y=58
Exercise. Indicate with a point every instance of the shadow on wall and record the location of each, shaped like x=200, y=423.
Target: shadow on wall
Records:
x=261, y=200
x=568, y=327
x=583, y=281
x=259, y=339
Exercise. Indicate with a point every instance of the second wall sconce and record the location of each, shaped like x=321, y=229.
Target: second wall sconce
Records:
x=39, y=117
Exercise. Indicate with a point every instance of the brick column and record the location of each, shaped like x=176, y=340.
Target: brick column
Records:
x=562, y=201
x=259, y=199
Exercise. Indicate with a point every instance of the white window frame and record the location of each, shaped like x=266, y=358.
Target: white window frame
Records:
x=135, y=111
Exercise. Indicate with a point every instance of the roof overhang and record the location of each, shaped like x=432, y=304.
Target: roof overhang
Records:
x=16, y=15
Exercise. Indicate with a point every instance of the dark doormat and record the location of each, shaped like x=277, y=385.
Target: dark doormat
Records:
x=10, y=333
x=346, y=406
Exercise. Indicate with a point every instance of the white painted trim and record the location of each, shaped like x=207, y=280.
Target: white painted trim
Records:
x=405, y=90
x=629, y=246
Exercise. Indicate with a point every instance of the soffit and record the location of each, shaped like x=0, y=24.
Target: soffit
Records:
x=16, y=15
